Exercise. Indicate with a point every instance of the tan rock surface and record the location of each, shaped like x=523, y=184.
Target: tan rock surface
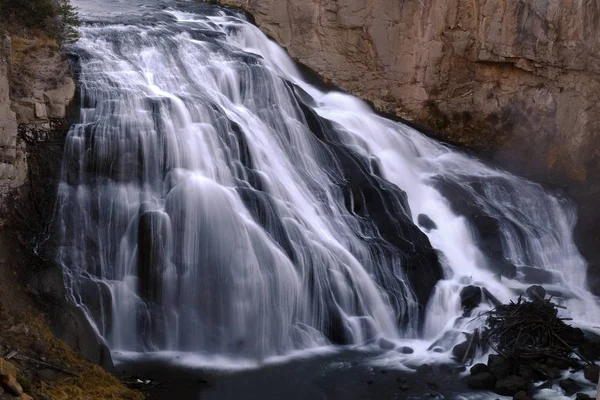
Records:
x=35, y=90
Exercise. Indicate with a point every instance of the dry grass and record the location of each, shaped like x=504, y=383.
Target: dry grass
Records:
x=21, y=47
x=93, y=383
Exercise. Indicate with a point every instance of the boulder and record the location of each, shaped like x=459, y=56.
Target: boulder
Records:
x=526, y=372
x=590, y=350
x=538, y=275
x=424, y=369
x=386, y=344
x=521, y=395
x=547, y=372
x=592, y=373
x=460, y=350
x=426, y=223
x=10, y=384
x=500, y=366
x=573, y=336
x=479, y=369
x=583, y=396
x=483, y=381
x=511, y=385
x=8, y=368
x=406, y=350
x=470, y=296
x=570, y=386
x=535, y=292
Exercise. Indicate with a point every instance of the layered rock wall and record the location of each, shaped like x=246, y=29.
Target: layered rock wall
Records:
x=518, y=78
x=35, y=91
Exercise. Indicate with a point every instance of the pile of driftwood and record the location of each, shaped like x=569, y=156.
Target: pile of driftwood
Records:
x=532, y=331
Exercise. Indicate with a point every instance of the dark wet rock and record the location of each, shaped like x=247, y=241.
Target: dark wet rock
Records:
x=535, y=292
x=521, y=395
x=470, y=296
x=479, y=369
x=570, y=386
x=526, y=372
x=438, y=350
x=538, y=275
x=583, y=396
x=510, y=386
x=426, y=223
x=424, y=369
x=573, y=336
x=590, y=350
x=386, y=344
x=446, y=369
x=560, y=364
x=546, y=372
x=546, y=385
x=460, y=350
x=406, y=350
x=70, y=324
x=500, y=366
x=591, y=373
x=448, y=339
x=483, y=381
x=50, y=285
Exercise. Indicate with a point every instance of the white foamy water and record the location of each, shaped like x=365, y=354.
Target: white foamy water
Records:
x=213, y=202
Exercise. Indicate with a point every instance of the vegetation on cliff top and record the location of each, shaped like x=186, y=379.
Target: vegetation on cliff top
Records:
x=56, y=19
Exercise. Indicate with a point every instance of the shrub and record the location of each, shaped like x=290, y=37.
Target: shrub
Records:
x=55, y=18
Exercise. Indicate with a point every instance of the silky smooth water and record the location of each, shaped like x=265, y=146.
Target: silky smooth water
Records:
x=212, y=201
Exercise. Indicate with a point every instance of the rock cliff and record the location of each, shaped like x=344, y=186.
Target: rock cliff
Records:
x=36, y=91
x=519, y=79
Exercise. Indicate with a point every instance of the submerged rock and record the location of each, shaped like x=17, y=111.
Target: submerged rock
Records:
x=570, y=386
x=386, y=344
x=511, y=385
x=406, y=350
x=483, y=381
x=592, y=373
x=521, y=395
x=479, y=369
x=500, y=366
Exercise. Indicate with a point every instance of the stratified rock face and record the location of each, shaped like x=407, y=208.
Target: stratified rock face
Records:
x=520, y=78
x=35, y=90
x=11, y=172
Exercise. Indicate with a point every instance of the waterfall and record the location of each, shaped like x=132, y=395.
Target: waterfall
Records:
x=213, y=201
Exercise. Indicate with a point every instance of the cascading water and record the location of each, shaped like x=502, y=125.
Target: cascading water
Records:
x=213, y=201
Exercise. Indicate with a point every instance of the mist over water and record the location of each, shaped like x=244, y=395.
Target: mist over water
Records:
x=214, y=202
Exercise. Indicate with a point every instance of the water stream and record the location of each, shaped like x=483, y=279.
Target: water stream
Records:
x=214, y=202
